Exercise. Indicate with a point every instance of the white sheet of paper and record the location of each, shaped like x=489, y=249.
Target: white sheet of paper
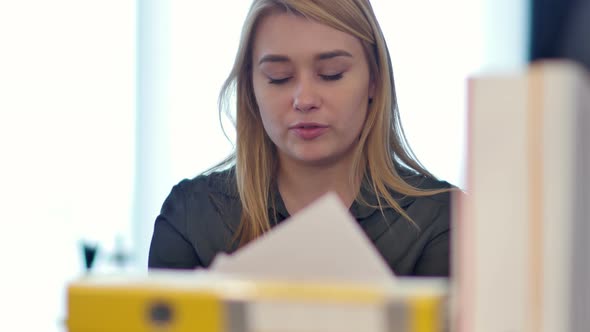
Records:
x=323, y=242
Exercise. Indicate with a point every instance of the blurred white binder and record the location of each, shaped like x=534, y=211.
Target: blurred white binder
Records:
x=521, y=239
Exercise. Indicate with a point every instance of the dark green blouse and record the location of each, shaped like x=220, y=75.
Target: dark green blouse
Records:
x=199, y=217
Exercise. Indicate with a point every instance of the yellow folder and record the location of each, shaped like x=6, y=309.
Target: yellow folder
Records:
x=179, y=302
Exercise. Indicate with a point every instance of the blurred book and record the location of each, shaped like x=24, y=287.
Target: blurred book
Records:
x=521, y=249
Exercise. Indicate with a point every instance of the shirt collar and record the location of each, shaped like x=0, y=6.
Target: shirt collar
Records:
x=359, y=210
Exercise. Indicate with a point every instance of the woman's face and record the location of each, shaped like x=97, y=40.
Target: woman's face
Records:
x=312, y=86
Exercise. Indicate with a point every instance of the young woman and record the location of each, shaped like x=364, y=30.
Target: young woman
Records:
x=316, y=112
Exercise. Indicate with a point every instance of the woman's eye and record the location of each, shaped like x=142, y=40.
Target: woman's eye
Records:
x=278, y=80
x=331, y=77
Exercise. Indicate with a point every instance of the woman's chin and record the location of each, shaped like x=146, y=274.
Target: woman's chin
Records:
x=316, y=159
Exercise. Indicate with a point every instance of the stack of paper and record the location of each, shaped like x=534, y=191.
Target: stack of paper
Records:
x=521, y=244
x=317, y=244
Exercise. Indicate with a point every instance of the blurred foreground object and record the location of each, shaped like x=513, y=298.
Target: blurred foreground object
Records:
x=206, y=302
x=291, y=280
x=521, y=243
x=89, y=250
x=297, y=250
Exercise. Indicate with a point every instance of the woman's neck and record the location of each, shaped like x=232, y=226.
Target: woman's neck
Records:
x=300, y=184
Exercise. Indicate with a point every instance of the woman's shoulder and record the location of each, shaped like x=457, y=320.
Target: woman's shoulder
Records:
x=424, y=182
x=212, y=195
x=216, y=183
x=205, y=211
x=431, y=208
x=431, y=212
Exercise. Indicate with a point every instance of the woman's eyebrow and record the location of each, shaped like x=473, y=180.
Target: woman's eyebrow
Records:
x=320, y=56
x=273, y=58
x=332, y=54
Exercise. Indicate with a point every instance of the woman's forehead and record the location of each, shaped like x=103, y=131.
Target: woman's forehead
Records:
x=293, y=35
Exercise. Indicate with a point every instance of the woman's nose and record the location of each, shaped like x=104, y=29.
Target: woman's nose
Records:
x=306, y=97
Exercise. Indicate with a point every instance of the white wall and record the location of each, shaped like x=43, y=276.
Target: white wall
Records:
x=67, y=108
x=185, y=53
x=435, y=46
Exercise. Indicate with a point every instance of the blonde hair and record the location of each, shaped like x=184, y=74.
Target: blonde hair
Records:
x=382, y=148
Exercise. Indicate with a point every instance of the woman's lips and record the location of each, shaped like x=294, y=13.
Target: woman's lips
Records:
x=309, y=131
